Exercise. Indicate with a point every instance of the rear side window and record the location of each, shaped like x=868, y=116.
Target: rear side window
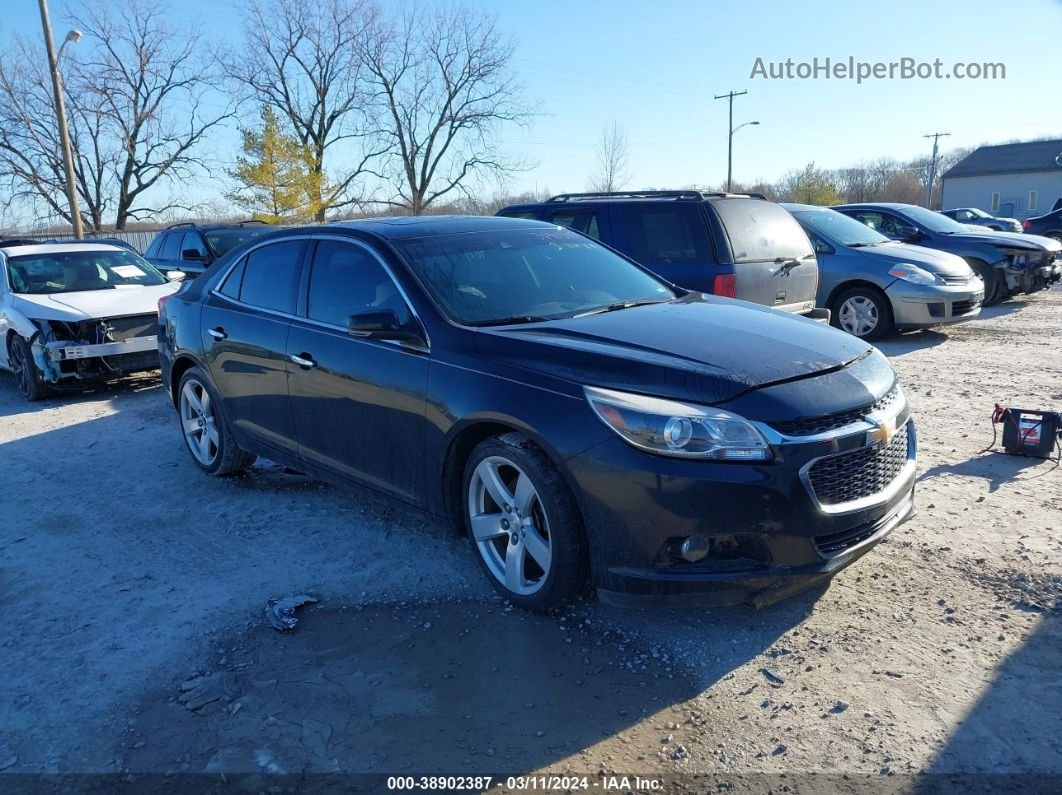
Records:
x=156, y=245
x=584, y=221
x=270, y=277
x=530, y=215
x=171, y=246
x=347, y=280
x=662, y=234
x=760, y=230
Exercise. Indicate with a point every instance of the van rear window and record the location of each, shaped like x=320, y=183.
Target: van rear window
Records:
x=760, y=230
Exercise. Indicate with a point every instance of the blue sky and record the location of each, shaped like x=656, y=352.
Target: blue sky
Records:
x=654, y=68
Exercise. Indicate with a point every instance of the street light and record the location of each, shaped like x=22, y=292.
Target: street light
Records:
x=730, y=154
x=60, y=113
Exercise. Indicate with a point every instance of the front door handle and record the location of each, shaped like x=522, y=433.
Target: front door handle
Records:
x=304, y=360
x=217, y=333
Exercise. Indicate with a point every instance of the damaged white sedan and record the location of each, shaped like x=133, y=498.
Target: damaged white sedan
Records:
x=77, y=312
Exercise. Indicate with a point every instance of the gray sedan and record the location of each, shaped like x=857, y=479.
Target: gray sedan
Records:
x=874, y=285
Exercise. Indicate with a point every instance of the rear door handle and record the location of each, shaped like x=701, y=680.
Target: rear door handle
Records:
x=217, y=333
x=304, y=361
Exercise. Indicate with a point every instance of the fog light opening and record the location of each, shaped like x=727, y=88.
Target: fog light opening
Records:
x=693, y=548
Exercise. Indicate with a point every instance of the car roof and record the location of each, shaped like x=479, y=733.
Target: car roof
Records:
x=56, y=248
x=403, y=227
x=874, y=206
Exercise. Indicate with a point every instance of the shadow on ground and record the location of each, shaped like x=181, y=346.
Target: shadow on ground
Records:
x=447, y=688
x=997, y=468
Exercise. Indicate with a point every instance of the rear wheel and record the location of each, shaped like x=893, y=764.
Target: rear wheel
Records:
x=27, y=375
x=990, y=277
x=863, y=312
x=523, y=523
x=206, y=431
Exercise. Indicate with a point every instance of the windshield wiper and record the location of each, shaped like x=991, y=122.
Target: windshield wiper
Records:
x=514, y=320
x=618, y=306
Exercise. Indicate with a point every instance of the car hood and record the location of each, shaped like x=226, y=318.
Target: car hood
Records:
x=699, y=348
x=93, y=304
x=1008, y=240
x=929, y=259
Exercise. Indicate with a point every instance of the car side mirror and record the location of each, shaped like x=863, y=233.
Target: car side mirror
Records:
x=382, y=325
x=191, y=255
x=176, y=276
x=909, y=233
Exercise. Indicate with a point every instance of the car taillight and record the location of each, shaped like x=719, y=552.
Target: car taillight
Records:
x=162, y=303
x=1027, y=225
x=725, y=284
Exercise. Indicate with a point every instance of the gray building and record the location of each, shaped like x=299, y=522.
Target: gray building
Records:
x=1011, y=180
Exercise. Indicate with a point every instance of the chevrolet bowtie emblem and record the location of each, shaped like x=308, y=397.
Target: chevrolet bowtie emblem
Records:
x=883, y=431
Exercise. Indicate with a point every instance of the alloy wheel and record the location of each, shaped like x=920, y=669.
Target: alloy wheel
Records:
x=21, y=369
x=509, y=525
x=199, y=422
x=859, y=315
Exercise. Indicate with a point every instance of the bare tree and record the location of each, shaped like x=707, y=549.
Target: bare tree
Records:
x=444, y=86
x=31, y=159
x=305, y=60
x=152, y=84
x=612, y=160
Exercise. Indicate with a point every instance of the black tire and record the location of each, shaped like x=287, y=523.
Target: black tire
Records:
x=568, y=568
x=28, y=377
x=881, y=307
x=990, y=276
x=224, y=457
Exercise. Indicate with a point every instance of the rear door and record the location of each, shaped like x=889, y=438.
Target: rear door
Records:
x=774, y=263
x=670, y=238
x=246, y=322
x=165, y=251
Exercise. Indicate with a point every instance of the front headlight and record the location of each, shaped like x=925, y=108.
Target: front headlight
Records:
x=912, y=273
x=667, y=427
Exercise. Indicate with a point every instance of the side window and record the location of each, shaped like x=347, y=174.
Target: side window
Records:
x=584, y=221
x=233, y=281
x=171, y=246
x=156, y=244
x=345, y=280
x=665, y=233
x=271, y=274
x=193, y=241
x=530, y=215
x=890, y=226
x=874, y=220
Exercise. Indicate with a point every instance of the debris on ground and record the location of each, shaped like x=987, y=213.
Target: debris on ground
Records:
x=199, y=691
x=8, y=758
x=281, y=610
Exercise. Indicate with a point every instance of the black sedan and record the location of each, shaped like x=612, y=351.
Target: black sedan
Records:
x=580, y=419
x=1049, y=225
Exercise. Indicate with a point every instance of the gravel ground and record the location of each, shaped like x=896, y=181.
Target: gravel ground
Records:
x=133, y=590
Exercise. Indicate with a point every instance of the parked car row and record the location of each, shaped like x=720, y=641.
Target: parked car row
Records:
x=570, y=384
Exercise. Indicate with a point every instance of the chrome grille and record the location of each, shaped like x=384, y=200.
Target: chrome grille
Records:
x=860, y=473
x=811, y=426
x=949, y=279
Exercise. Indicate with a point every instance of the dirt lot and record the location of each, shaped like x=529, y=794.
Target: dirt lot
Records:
x=133, y=589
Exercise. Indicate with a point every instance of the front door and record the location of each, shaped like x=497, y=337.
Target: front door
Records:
x=359, y=403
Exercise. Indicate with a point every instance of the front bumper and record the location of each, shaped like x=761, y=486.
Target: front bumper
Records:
x=774, y=538
x=917, y=306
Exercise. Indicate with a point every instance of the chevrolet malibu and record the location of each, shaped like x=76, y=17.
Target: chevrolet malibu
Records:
x=581, y=420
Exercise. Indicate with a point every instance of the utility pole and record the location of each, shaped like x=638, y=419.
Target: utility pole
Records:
x=729, y=96
x=60, y=112
x=933, y=166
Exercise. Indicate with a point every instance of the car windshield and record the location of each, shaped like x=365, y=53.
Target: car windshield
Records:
x=78, y=271
x=846, y=231
x=222, y=241
x=495, y=278
x=934, y=222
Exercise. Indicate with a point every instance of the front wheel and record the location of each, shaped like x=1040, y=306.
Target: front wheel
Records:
x=206, y=431
x=523, y=523
x=863, y=312
x=993, y=292
x=27, y=375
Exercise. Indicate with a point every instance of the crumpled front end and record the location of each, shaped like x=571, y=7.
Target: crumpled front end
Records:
x=95, y=349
